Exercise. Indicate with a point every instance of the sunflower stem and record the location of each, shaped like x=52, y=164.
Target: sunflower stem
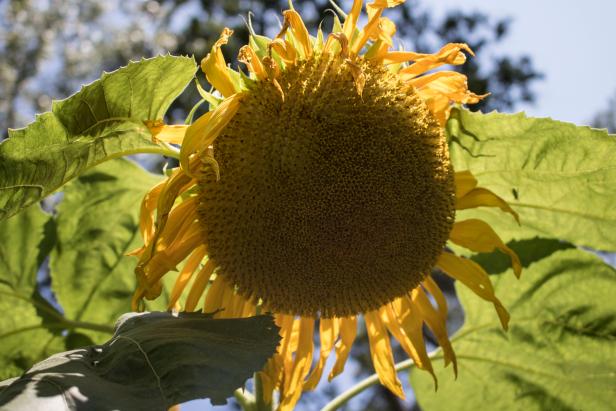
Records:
x=358, y=388
x=245, y=399
x=260, y=403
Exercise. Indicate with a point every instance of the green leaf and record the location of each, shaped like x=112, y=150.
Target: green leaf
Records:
x=560, y=178
x=104, y=120
x=558, y=353
x=97, y=224
x=153, y=361
x=22, y=249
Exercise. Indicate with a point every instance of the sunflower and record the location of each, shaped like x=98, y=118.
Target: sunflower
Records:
x=319, y=187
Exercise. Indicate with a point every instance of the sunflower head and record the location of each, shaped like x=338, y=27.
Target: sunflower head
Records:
x=319, y=186
x=329, y=201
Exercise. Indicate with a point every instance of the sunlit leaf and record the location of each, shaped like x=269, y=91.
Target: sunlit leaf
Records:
x=560, y=178
x=153, y=361
x=97, y=224
x=104, y=120
x=23, y=337
x=558, y=353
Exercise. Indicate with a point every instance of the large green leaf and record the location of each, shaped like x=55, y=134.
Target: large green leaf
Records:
x=560, y=178
x=104, y=120
x=558, y=353
x=153, y=361
x=23, y=337
x=97, y=224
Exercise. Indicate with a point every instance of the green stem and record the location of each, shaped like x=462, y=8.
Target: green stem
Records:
x=245, y=399
x=343, y=398
x=167, y=151
x=259, y=401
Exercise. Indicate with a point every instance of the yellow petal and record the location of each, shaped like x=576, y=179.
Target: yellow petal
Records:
x=474, y=277
x=350, y=23
x=412, y=324
x=285, y=51
x=148, y=208
x=215, y=67
x=198, y=286
x=328, y=332
x=202, y=133
x=448, y=54
x=149, y=274
x=214, y=299
x=390, y=318
x=370, y=30
x=248, y=56
x=185, y=275
x=436, y=324
x=482, y=197
x=348, y=332
x=299, y=31
x=450, y=84
x=433, y=288
x=173, y=134
x=292, y=389
x=465, y=182
x=477, y=235
x=381, y=353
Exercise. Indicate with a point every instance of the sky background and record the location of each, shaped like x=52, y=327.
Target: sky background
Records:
x=569, y=42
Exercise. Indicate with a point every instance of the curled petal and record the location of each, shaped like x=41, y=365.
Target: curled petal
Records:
x=215, y=67
x=465, y=182
x=202, y=133
x=294, y=21
x=477, y=235
x=474, y=277
x=248, y=56
x=292, y=388
x=329, y=328
x=482, y=197
x=348, y=332
x=173, y=134
x=382, y=355
x=449, y=54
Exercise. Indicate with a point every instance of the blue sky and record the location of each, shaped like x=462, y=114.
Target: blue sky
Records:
x=569, y=42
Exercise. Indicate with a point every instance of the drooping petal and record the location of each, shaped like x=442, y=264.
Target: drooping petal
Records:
x=382, y=355
x=450, y=84
x=249, y=57
x=465, y=182
x=391, y=320
x=436, y=324
x=348, y=332
x=350, y=23
x=411, y=322
x=474, y=277
x=482, y=197
x=198, y=286
x=433, y=288
x=284, y=50
x=294, y=21
x=173, y=134
x=185, y=275
x=215, y=67
x=202, y=133
x=292, y=389
x=449, y=54
x=329, y=328
x=477, y=235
